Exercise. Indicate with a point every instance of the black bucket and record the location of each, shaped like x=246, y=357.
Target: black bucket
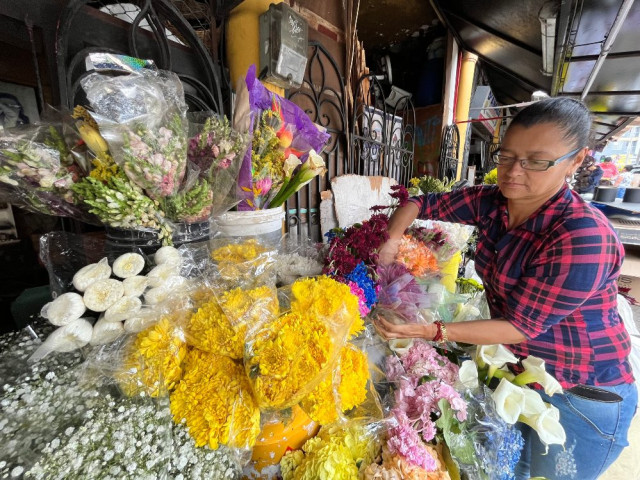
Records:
x=605, y=194
x=632, y=195
x=119, y=240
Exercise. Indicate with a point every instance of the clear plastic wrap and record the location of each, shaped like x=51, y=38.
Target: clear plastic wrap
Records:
x=296, y=259
x=345, y=450
x=288, y=357
x=142, y=116
x=443, y=238
x=39, y=166
x=283, y=136
x=243, y=261
x=401, y=297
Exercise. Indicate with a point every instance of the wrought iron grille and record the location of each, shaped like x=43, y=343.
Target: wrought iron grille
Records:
x=382, y=138
x=449, y=152
x=150, y=29
x=322, y=96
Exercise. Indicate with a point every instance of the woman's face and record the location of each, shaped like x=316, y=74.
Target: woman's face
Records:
x=544, y=141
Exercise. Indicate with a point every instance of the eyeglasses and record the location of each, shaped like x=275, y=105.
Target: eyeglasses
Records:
x=527, y=164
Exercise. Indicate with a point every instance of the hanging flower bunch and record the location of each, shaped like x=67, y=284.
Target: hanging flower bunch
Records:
x=336, y=453
x=424, y=383
x=153, y=361
x=348, y=380
x=219, y=326
x=214, y=401
x=288, y=357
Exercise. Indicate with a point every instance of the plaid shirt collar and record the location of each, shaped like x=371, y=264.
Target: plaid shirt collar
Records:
x=542, y=218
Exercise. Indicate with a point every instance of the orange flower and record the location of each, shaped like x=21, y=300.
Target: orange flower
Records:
x=417, y=257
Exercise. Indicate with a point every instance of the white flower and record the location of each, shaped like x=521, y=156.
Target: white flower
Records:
x=64, y=309
x=128, y=265
x=122, y=309
x=76, y=334
x=509, y=400
x=106, y=332
x=533, y=403
x=168, y=255
x=534, y=371
x=400, y=345
x=90, y=273
x=494, y=355
x=160, y=273
x=102, y=294
x=547, y=425
x=468, y=374
x=135, y=286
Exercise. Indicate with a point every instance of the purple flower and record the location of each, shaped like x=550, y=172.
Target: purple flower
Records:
x=405, y=441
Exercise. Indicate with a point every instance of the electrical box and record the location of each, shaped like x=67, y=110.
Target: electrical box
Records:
x=283, y=46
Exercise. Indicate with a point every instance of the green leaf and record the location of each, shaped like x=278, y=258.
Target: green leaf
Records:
x=460, y=444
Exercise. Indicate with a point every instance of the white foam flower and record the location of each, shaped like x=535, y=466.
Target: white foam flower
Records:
x=160, y=273
x=106, y=332
x=101, y=294
x=128, y=265
x=76, y=334
x=534, y=371
x=468, y=374
x=123, y=308
x=64, y=309
x=509, y=400
x=547, y=425
x=91, y=273
x=168, y=255
x=157, y=295
x=135, y=286
x=140, y=322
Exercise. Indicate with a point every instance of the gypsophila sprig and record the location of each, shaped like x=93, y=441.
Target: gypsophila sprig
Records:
x=121, y=438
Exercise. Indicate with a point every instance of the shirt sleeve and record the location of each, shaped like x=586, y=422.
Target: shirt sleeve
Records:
x=460, y=206
x=582, y=259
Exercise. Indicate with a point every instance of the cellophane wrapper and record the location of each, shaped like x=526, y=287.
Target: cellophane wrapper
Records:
x=142, y=116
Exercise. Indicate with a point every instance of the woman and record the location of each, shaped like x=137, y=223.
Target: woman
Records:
x=587, y=176
x=549, y=263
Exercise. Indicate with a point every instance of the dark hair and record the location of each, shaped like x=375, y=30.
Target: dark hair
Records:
x=608, y=159
x=570, y=115
x=628, y=168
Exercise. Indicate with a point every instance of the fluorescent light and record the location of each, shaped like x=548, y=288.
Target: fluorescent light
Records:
x=547, y=17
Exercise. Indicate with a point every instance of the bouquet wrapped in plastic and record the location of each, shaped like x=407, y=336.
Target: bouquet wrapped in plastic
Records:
x=39, y=166
x=283, y=155
x=287, y=357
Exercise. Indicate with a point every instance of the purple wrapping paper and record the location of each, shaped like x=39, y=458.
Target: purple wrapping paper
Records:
x=306, y=135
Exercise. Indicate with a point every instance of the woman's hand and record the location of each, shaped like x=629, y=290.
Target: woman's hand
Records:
x=389, y=330
x=388, y=251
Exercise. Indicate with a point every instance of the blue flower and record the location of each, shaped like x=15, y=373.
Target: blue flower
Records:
x=360, y=276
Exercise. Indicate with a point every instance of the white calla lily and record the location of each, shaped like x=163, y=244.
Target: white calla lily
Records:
x=509, y=400
x=534, y=371
x=495, y=357
x=400, y=345
x=547, y=425
x=468, y=374
x=533, y=403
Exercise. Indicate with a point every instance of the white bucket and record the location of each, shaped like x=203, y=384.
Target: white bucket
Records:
x=251, y=222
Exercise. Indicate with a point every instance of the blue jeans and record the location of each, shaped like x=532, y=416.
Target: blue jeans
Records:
x=596, y=434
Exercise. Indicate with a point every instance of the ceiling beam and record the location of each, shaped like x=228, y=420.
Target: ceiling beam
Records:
x=619, y=128
x=593, y=58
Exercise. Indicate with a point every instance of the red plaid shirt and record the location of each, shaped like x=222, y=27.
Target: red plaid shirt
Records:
x=553, y=277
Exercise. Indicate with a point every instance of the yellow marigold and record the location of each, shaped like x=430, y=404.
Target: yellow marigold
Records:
x=322, y=405
x=215, y=402
x=246, y=262
x=329, y=300
x=287, y=356
x=221, y=327
x=153, y=361
x=336, y=453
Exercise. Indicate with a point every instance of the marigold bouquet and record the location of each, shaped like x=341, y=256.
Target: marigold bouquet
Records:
x=288, y=357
